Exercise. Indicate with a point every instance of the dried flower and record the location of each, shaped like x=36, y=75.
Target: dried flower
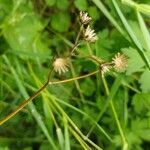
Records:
x=61, y=65
x=84, y=18
x=119, y=62
x=90, y=35
x=105, y=68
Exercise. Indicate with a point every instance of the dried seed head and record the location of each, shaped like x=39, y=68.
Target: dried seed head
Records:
x=84, y=18
x=61, y=65
x=105, y=68
x=90, y=35
x=120, y=62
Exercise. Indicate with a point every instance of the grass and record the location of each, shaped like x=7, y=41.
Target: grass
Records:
x=87, y=107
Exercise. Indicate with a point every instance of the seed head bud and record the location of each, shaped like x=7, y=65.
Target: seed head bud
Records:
x=84, y=18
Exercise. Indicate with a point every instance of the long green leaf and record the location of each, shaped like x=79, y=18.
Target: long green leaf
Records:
x=34, y=112
x=100, y=5
x=132, y=35
x=112, y=93
x=86, y=115
x=143, y=8
x=144, y=30
x=67, y=139
x=60, y=138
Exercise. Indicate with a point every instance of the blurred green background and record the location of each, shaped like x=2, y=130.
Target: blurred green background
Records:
x=35, y=32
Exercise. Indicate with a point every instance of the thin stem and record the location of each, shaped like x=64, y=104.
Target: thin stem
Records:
x=22, y=105
x=77, y=84
x=131, y=87
x=89, y=48
x=73, y=49
x=125, y=145
x=75, y=127
x=76, y=44
x=79, y=33
x=80, y=140
x=54, y=120
x=105, y=85
x=75, y=78
x=96, y=59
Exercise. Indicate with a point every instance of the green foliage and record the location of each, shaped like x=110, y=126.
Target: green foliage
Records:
x=104, y=44
x=88, y=87
x=81, y=4
x=50, y=2
x=141, y=103
x=109, y=112
x=93, y=12
x=61, y=21
x=135, y=62
x=144, y=80
x=62, y=4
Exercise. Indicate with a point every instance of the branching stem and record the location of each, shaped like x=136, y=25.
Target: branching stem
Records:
x=22, y=105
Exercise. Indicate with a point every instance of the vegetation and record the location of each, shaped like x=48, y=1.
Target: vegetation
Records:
x=74, y=74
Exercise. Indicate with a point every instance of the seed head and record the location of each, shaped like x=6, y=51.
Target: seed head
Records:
x=120, y=62
x=61, y=65
x=90, y=35
x=84, y=18
x=105, y=68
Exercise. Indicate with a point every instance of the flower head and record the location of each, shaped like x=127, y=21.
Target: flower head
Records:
x=105, y=68
x=120, y=62
x=84, y=18
x=61, y=65
x=90, y=35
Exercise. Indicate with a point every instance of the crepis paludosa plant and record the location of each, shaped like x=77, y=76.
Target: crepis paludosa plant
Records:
x=61, y=65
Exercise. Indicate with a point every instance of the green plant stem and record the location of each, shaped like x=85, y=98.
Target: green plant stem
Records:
x=125, y=144
x=79, y=34
x=89, y=48
x=75, y=78
x=34, y=112
x=77, y=84
x=22, y=105
x=80, y=140
x=86, y=115
x=77, y=39
x=73, y=125
x=55, y=106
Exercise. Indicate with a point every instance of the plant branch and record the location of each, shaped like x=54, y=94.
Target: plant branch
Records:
x=22, y=105
x=75, y=78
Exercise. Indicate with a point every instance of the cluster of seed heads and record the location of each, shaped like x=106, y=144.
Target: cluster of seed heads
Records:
x=89, y=33
x=119, y=61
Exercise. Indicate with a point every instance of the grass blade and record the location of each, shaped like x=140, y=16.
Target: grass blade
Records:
x=144, y=30
x=67, y=139
x=143, y=8
x=100, y=5
x=132, y=35
x=34, y=112
x=86, y=115
x=112, y=93
x=60, y=138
